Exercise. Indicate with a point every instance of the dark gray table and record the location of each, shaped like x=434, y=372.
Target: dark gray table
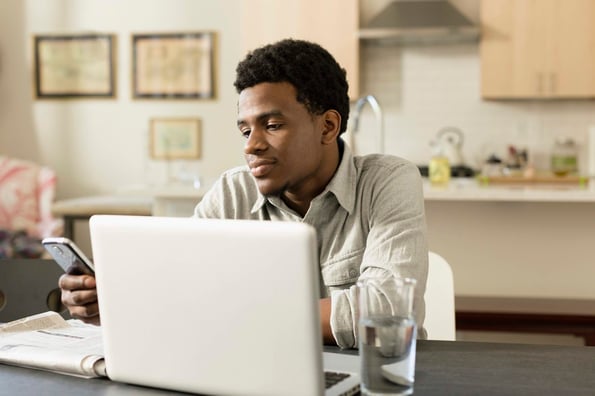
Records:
x=443, y=368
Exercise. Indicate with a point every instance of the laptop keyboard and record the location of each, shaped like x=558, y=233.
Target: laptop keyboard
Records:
x=332, y=378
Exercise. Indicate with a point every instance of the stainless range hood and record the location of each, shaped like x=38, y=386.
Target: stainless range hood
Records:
x=434, y=21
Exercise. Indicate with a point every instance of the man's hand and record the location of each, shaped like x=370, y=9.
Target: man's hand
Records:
x=79, y=295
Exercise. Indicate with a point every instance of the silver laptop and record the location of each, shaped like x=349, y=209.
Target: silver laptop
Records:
x=211, y=306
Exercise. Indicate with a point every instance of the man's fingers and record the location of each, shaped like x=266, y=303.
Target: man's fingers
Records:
x=86, y=313
x=79, y=297
x=76, y=282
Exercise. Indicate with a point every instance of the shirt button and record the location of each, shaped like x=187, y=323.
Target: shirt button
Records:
x=352, y=272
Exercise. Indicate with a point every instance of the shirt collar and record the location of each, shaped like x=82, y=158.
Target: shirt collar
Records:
x=260, y=201
x=342, y=184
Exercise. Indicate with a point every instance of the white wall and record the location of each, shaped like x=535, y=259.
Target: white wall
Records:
x=98, y=146
x=17, y=134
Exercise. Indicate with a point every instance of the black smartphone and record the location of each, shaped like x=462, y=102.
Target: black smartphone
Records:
x=68, y=256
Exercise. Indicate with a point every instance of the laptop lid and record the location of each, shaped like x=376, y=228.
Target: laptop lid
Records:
x=209, y=306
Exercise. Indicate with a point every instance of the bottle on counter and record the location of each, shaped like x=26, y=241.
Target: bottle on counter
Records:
x=439, y=168
x=564, y=158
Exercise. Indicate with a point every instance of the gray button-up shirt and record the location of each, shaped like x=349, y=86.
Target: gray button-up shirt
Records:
x=369, y=221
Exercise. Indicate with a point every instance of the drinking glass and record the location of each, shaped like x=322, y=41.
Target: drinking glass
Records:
x=387, y=335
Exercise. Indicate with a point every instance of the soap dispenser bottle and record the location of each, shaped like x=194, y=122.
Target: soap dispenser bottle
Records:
x=439, y=169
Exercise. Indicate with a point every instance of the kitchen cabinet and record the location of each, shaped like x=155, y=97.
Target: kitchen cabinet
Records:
x=516, y=249
x=537, y=49
x=331, y=23
x=504, y=241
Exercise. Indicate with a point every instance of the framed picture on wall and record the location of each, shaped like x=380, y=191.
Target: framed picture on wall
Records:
x=175, y=138
x=74, y=66
x=173, y=66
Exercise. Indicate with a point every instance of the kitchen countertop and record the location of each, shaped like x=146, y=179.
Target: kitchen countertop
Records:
x=468, y=189
x=459, y=189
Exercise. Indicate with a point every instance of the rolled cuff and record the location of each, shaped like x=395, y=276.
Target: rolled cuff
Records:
x=343, y=317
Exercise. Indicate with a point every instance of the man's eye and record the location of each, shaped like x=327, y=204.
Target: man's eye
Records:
x=274, y=127
x=245, y=133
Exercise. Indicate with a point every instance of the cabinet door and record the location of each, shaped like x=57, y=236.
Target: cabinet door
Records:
x=572, y=60
x=538, y=49
x=331, y=23
x=513, y=48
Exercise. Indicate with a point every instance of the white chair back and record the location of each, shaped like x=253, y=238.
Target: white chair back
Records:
x=440, y=300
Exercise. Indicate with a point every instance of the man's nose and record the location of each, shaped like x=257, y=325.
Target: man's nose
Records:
x=256, y=141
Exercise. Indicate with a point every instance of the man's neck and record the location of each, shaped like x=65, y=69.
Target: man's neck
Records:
x=300, y=203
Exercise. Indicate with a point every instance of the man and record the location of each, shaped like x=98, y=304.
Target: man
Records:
x=368, y=211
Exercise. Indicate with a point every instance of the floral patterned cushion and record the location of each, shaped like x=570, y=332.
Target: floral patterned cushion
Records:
x=26, y=196
x=27, y=192
x=19, y=208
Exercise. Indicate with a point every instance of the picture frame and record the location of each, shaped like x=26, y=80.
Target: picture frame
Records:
x=173, y=65
x=175, y=138
x=74, y=66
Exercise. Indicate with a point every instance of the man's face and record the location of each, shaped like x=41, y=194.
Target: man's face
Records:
x=283, y=140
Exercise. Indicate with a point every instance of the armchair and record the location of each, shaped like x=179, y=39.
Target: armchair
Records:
x=27, y=191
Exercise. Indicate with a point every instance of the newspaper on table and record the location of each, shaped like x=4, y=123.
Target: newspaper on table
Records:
x=48, y=342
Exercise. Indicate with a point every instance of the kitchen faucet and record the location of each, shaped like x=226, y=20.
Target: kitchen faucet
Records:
x=371, y=100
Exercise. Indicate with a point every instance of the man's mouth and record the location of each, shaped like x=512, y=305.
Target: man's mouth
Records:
x=261, y=168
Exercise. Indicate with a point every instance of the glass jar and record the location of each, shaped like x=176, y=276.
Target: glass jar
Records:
x=564, y=159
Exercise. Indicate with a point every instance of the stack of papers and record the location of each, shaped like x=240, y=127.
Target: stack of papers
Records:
x=48, y=342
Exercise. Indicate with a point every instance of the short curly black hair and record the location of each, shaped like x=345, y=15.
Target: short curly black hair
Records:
x=320, y=82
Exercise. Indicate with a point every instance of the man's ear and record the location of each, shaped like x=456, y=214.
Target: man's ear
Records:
x=331, y=120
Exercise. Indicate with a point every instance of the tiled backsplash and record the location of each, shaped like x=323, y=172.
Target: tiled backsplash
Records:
x=423, y=88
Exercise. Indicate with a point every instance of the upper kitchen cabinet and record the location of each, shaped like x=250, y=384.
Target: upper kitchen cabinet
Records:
x=541, y=49
x=331, y=23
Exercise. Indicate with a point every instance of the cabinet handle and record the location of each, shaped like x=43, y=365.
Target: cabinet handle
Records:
x=540, y=83
x=553, y=82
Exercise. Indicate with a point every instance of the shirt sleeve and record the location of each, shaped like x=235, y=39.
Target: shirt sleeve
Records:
x=211, y=204
x=396, y=244
x=231, y=197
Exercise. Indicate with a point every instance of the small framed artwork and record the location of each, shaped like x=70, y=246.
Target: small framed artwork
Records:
x=175, y=138
x=173, y=66
x=74, y=66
